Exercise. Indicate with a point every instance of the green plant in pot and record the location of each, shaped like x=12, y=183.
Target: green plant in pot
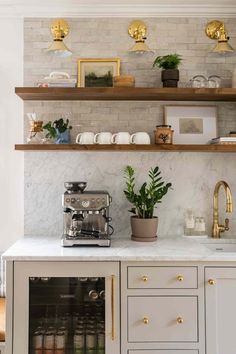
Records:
x=144, y=223
x=58, y=131
x=169, y=65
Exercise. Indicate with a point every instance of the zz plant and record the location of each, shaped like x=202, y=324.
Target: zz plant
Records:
x=150, y=193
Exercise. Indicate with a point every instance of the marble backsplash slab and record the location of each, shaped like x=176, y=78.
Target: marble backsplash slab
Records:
x=193, y=176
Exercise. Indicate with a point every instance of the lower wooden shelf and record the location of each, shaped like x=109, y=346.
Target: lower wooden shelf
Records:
x=152, y=147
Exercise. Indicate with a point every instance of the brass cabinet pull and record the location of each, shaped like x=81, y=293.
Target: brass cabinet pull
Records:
x=145, y=278
x=145, y=320
x=113, y=336
x=211, y=282
x=180, y=320
x=180, y=277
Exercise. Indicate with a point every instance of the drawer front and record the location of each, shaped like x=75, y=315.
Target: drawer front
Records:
x=162, y=278
x=171, y=351
x=162, y=319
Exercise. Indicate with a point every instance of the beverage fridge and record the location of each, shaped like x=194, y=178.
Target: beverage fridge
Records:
x=66, y=308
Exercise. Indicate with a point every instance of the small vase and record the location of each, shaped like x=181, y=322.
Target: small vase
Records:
x=144, y=230
x=63, y=138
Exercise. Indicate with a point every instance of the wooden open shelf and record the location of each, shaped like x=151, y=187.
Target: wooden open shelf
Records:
x=126, y=94
x=153, y=148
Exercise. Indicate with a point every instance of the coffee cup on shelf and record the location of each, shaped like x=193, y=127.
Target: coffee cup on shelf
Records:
x=121, y=138
x=103, y=138
x=140, y=138
x=85, y=138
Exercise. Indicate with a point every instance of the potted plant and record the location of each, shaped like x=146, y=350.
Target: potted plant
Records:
x=169, y=65
x=59, y=131
x=143, y=223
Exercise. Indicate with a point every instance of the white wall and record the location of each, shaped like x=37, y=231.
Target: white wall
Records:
x=11, y=128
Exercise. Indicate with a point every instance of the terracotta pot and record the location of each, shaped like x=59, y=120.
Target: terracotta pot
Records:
x=170, y=77
x=144, y=230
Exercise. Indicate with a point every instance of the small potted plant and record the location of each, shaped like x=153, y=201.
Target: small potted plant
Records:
x=59, y=131
x=143, y=223
x=169, y=65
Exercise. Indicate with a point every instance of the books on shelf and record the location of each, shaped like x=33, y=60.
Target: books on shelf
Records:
x=224, y=140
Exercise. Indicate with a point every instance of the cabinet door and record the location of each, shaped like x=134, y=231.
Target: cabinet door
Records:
x=69, y=307
x=220, y=289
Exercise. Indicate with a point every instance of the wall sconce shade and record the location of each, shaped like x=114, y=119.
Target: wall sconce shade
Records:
x=137, y=30
x=216, y=30
x=59, y=30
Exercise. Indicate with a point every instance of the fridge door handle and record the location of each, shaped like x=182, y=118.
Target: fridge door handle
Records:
x=113, y=307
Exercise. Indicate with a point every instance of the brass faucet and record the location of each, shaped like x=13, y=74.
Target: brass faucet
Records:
x=216, y=228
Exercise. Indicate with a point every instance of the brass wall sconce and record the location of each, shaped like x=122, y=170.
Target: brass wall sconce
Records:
x=216, y=30
x=59, y=30
x=137, y=30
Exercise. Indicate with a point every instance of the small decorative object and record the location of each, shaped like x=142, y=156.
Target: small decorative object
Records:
x=169, y=65
x=143, y=223
x=97, y=72
x=199, y=81
x=163, y=134
x=36, y=135
x=124, y=81
x=57, y=79
x=192, y=124
x=59, y=131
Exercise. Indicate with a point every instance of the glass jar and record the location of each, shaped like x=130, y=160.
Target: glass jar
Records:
x=163, y=134
x=36, y=135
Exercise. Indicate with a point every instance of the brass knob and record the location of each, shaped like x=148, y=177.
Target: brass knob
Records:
x=180, y=320
x=211, y=282
x=180, y=277
x=145, y=320
x=145, y=278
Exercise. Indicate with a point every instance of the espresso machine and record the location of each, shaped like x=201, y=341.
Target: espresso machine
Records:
x=86, y=216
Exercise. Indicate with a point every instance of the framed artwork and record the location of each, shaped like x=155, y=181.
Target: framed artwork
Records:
x=192, y=124
x=97, y=72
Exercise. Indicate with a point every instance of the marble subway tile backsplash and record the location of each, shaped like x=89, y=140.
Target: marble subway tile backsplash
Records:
x=193, y=174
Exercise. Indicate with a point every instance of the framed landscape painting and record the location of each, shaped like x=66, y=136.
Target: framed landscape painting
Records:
x=192, y=124
x=97, y=72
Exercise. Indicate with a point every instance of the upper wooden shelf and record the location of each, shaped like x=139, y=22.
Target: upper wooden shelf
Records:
x=150, y=148
x=125, y=94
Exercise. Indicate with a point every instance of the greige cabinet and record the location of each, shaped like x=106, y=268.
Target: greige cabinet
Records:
x=220, y=315
x=162, y=308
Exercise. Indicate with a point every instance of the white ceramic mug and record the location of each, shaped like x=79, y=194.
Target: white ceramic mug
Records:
x=85, y=138
x=121, y=138
x=103, y=138
x=140, y=138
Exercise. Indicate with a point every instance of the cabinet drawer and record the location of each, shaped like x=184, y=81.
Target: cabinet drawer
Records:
x=162, y=319
x=171, y=351
x=162, y=278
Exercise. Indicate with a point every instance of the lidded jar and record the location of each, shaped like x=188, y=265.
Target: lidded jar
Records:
x=163, y=134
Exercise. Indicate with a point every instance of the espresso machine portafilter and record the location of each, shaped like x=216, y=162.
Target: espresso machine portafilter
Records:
x=86, y=216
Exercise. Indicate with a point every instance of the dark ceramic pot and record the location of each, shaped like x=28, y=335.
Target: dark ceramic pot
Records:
x=170, y=77
x=144, y=230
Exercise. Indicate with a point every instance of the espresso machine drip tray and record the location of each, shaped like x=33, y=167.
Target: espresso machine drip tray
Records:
x=85, y=240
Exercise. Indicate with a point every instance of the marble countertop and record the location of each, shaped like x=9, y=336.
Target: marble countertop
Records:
x=122, y=249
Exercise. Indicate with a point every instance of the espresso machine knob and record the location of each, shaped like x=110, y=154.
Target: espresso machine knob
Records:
x=85, y=203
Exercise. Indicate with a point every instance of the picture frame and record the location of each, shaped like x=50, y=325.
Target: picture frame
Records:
x=97, y=72
x=192, y=124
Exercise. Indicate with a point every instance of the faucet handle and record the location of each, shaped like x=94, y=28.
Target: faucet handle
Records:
x=226, y=224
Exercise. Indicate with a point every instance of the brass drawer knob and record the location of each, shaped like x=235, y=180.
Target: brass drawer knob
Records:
x=145, y=278
x=180, y=320
x=211, y=282
x=180, y=277
x=145, y=320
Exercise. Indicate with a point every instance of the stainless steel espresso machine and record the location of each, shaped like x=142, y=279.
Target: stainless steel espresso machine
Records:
x=86, y=216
